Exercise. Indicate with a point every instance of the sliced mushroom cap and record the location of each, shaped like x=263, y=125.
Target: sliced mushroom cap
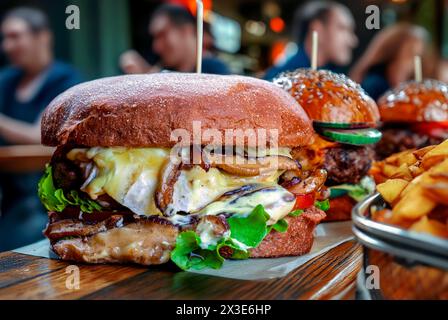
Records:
x=250, y=167
x=311, y=184
x=165, y=187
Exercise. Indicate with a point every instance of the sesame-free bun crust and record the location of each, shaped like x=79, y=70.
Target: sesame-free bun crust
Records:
x=415, y=102
x=329, y=97
x=296, y=241
x=143, y=111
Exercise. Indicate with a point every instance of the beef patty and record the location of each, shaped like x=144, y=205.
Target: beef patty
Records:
x=347, y=164
x=395, y=140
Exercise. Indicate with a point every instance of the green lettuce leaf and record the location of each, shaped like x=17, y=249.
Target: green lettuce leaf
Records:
x=280, y=226
x=323, y=205
x=355, y=191
x=56, y=200
x=188, y=254
x=237, y=252
x=245, y=232
x=249, y=230
x=296, y=213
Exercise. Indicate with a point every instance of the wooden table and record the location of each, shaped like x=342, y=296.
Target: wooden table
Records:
x=329, y=276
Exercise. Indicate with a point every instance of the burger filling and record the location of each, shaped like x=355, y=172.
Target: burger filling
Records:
x=400, y=137
x=347, y=166
x=215, y=206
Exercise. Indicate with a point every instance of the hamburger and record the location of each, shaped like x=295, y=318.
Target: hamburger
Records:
x=414, y=115
x=344, y=118
x=131, y=182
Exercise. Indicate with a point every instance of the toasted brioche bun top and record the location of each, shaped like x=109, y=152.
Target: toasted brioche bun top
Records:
x=415, y=102
x=329, y=97
x=143, y=111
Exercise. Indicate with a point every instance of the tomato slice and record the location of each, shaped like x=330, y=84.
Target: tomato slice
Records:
x=304, y=201
x=432, y=128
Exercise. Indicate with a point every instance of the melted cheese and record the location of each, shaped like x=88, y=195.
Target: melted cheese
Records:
x=277, y=201
x=196, y=188
x=130, y=177
x=208, y=237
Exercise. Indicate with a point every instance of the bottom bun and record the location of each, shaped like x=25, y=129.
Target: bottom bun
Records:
x=340, y=209
x=297, y=240
x=150, y=241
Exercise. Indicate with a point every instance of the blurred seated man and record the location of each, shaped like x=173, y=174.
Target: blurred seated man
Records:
x=335, y=26
x=389, y=58
x=26, y=88
x=173, y=30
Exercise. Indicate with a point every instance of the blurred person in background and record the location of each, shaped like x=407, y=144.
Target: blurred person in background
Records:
x=335, y=25
x=173, y=30
x=26, y=88
x=442, y=71
x=389, y=59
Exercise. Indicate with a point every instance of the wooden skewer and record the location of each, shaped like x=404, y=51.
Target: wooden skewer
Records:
x=200, y=34
x=418, y=68
x=314, y=50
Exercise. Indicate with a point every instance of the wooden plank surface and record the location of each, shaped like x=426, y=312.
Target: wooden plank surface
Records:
x=329, y=276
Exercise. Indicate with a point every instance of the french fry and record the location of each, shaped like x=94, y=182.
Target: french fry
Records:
x=391, y=189
x=416, y=170
x=389, y=170
x=436, y=155
x=407, y=158
x=402, y=172
x=384, y=216
x=432, y=160
x=433, y=227
x=396, y=159
x=420, y=153
x=415, y=202
x=414, y=205
x=415, y=184
x=440, y=176
x=439, y=170
x=437, y=192
x=411, y=185
x=377, y=174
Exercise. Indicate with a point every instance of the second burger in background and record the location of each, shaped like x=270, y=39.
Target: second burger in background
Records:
x=414, y=115
x=344, y=118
